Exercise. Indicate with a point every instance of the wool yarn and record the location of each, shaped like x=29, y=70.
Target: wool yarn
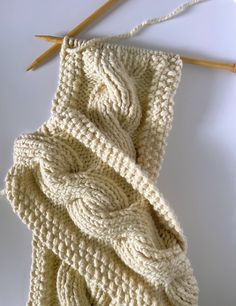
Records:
x=85, y=181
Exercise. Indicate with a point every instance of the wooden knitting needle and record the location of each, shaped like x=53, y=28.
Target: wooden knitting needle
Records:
x=186, y=60
x=56, y=47
x=211, y=64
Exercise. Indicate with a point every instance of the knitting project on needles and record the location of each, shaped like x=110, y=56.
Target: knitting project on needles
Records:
x=84, y=183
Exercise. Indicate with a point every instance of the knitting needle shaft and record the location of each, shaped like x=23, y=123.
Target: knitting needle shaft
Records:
x=186, y=60
x=211, y=64
x=56, y=47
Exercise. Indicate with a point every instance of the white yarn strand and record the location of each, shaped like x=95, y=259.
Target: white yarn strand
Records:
x=177, y=11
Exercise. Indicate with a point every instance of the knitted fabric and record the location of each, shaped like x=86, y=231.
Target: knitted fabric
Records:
x=85, y=183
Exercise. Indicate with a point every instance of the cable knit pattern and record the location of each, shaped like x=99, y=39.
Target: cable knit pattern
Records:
x=85, y=183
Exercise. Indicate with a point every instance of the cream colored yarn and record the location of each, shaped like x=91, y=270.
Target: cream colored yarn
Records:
x=85, y=181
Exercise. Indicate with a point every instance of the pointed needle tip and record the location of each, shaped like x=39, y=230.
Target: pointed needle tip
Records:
x=30, y=68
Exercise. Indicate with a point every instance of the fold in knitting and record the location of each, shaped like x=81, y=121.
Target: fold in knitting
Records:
x=85, y=183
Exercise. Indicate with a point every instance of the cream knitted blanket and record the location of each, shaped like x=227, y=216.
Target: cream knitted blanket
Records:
x=84, y=183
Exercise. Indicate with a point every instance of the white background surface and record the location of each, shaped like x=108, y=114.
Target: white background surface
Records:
x=198, y=176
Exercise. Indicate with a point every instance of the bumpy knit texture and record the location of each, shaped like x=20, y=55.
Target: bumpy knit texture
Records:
x=85, y=183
